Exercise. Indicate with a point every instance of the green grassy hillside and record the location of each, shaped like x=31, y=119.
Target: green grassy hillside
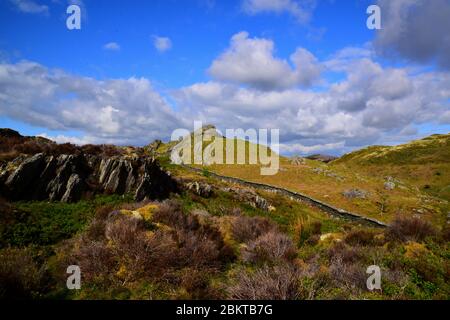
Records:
x=419, y=170
x=424, y=163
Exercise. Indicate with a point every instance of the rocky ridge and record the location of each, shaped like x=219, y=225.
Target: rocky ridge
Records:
x=70, y=177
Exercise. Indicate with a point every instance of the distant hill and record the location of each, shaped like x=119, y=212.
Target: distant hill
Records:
x=424, y=163
x=321, y=157
x=432, y=149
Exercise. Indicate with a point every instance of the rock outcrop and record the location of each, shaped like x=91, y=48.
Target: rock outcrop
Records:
x=249, y=196
x=70, y=177
x=199, y=188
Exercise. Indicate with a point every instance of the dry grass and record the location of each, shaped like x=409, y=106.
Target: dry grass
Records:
x=329, y=185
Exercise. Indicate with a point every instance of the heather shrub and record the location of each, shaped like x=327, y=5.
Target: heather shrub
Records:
x=349, y=275
x=96, y=230
x=197, y=250
x=197, y=283
x=64, y=148
x=20, y=277
x=271, y=247
x=445, y=233
x=119, y=249
x=410, y=229
x=29, y=147
x=249, y=228
x=111, y=150
x=344, y=252
x=122, y=230
x=171, y=214
x=360, y=238
x=266, y=283
x=96, y=261
x=91, y=149
x=203, y=246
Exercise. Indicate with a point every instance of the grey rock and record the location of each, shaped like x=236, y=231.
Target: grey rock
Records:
x=249, y=196
x=355, y=194
x=74, y=189
x=261, y=203
x=144, y=188
x=389, y=185
x=200, y=188
x=20, y=182
x=296, y=160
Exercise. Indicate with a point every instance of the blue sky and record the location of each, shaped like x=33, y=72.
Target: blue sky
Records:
x=200, y=32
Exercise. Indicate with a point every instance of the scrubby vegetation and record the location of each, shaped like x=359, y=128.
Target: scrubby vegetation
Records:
x=176, y=249
x=221, y=246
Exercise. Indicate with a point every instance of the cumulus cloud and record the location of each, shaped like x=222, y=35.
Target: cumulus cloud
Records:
x=113, y=46
x=416, y=30
x=251, y=61
x=296, y=148
x=300, y=10
x=126, y=111
x=30, y=6
x=162, y=44
x=368, y=105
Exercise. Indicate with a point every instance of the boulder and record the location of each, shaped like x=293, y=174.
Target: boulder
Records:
x=251, y=197
x=200, y=188
x=389, y=185
x=355, y=194
x=296, y=160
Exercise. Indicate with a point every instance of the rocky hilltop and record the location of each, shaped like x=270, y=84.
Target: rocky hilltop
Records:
x=70, y=173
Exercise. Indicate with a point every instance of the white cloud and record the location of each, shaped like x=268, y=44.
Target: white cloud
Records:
x=69, y=139
x=162, y=44
x=297, y=148
x=251, y=61
x=301, y=10
x=371, y=104
x=113, y=46
x=125, y=111
x=30, y=6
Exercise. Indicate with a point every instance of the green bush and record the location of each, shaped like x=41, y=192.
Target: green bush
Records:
x=47, y=223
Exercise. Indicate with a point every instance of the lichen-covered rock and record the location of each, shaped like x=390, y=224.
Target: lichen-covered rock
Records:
x=200, y=188
x=251, y=197
x=355, y=194
x=296, y=160
x=389, y=185
x=261, y=203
